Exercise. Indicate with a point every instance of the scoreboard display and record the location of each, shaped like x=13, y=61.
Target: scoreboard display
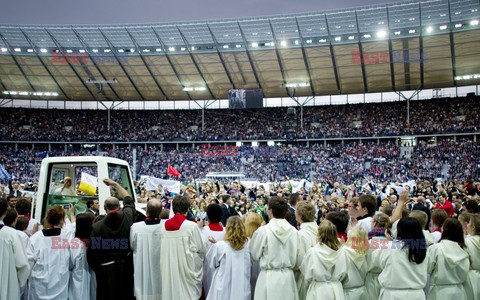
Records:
x=245, y=98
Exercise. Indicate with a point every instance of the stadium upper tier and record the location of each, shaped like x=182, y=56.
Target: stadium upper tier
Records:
x=389, y=47
x=437, y=116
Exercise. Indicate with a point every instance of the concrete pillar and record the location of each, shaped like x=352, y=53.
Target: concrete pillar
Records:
x=145, y=147
x=378, y=141
x=49, y=147
x=178, y=146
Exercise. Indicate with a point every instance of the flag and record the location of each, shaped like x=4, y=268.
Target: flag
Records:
x=4, y=174
x=172, y=171
x=88, y=184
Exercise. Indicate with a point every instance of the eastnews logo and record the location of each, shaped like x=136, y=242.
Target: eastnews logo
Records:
x=97, y=243
x=384, y=57
x=215, y=151
x=358, y=243
x=82, y=58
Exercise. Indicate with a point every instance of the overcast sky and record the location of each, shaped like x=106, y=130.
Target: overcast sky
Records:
x=155, y=11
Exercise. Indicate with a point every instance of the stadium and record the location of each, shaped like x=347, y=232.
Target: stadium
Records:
x=323, y=107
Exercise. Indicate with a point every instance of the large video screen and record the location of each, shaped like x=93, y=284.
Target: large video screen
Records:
x=245, y=98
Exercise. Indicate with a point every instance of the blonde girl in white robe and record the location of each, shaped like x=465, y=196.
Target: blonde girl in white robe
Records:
x=472, y=241
x=404, y=265
x=448, y=264
x=305, y=216
x=230, y=260
x=323, y=268
x=355, y=251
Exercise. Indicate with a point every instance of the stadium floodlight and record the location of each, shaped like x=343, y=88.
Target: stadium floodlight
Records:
x=4, y=49
x=429, y=29
x=94, y=50
x=107, y=50
x=367, y=36
x=297, y=84
x=474, y=22
x=309, y=41
x=38, y=94
x=443, y=27
x=412, y=31
x=81, y=51
x=458, y=25
x=69, y=51
x=158, y=49
x=48, y=94
x=171, y=49
x=397, y=32
x=183, y=49
x=13, y=93
x=193, y=48
x=338, y=38
x=254, y=45
x=351, y=37
x=188, y=89
x=132, y=50
x=201, y=88
x=43, y=50
x=238, y=46
x=467, y=77
x=120, y=50
x=17, y=49
x=54, y=94
x=270, y=143
x=381, y=34
x=5, y=92
x=225, y=46
x=29, y=50
x=146, y=50
x=296, y=42
x=322, y=40
x=23, y=93
x=283, y=43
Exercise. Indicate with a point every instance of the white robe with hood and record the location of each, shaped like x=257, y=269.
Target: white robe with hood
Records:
x=354, y=281
x=14, y=268
x=307, y=239
x=400, y=278
x=207, y=271
x=231, y=272
x=276, y=246
x=472, y=285
x=371, y=280
x=448, y=265
x=323, y=269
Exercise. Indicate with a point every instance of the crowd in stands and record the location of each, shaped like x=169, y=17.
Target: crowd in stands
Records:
x=347, y=163
x=355, y=120
x=222, y=240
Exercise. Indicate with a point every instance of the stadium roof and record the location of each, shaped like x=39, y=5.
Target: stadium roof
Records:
x=406, y=46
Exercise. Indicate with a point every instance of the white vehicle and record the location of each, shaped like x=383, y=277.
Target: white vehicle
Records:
x=54, y=170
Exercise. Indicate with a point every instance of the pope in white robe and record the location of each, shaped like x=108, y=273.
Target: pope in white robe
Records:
x=276, y=246
x=400, y=278
x=231, y=276
x=472, y=285
x=354, y=281
x=307, y=237
x=448, y=265
x=145, y=242
x=14, y=267
x=181, y=268
x=50, y=259
x=83, y=283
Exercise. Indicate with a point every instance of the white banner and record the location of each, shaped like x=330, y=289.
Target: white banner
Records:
x=171, y=185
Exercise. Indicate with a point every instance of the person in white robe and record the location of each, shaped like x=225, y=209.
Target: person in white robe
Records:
x=355, y=251
x=276, y=246
x=212, y=232
x=253, y=221
x=145, y=242
x=448, y=264
x=307, y=235
x=472, y=241
x=230, y=260
x=404, y=265
x=50, y=258
x=183, y=248
x=14, y=267
x=323, y=268
x=83, y=284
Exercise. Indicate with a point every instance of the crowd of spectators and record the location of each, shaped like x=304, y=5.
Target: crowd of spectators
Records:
x=352, y=120
x=332, y=162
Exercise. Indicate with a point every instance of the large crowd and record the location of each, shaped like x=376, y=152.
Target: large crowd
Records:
x=223, y=240
x=336, y=162
x=451, y=115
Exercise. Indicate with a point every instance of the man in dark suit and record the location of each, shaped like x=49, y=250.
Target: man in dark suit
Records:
x=292, y=204
x=109, y=253
x=227, y=209
x=92, y=207
x=14, y=188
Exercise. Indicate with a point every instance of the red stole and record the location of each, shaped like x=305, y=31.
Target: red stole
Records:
x=175, y=222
